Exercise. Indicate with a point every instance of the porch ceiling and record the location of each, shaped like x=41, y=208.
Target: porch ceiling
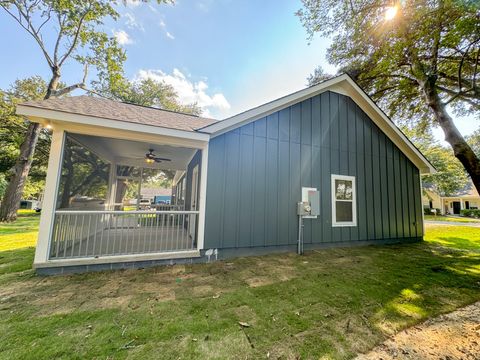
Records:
x=129, y=152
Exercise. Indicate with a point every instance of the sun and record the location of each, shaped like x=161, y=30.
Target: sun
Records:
x=391, y=12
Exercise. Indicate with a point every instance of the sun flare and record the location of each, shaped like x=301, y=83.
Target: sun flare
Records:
x=391, y=12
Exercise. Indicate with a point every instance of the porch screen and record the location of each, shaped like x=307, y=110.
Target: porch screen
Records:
x=84, y=178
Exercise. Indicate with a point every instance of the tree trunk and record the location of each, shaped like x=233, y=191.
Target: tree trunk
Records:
x=462, y=151
x=13, y=194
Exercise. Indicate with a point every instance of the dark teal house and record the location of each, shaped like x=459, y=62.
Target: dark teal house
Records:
x=237, y=181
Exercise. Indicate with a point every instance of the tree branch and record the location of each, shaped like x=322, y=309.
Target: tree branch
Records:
x=30, y=30
x=75, y=39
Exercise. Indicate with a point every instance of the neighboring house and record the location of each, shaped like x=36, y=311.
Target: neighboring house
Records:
x=156, y=195
x=467, y=198
x=238, y=181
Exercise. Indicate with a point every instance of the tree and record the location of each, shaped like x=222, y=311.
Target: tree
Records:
x=419, y=63
x=146, y=92
x=450, y=177
x=13, y=129
x=474, y=141
x=78, y=37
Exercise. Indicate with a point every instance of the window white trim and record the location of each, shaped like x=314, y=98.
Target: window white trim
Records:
x=335, y=223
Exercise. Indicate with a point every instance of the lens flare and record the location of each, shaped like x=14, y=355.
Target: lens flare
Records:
x=391, y=12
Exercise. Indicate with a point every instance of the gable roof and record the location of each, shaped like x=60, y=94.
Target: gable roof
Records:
x=115, y=110
x=342, y=84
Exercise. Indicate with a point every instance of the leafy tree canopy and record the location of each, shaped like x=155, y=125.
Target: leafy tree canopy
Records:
x=450, y=176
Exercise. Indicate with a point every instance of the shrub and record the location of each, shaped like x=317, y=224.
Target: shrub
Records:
x=475, y=213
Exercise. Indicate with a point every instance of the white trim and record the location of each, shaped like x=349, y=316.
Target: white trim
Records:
x=40, y=115
x=353, y=201
x=342, y=84
x=52, y=181
x=423, y=210
x=118, y=259
x=202, y=202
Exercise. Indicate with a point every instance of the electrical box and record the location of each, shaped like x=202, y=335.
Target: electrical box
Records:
x=311, y=196
x=314, y=200
x=303, y=208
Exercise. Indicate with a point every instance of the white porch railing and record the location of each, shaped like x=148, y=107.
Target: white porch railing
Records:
x=79, y=234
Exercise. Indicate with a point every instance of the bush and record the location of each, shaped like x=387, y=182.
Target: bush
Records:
x=474, y=213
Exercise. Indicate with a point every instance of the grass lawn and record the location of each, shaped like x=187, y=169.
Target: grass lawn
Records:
x=327, y=304
x=451, y=218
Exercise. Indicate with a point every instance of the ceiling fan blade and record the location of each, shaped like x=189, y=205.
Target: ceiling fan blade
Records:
x=162, y=159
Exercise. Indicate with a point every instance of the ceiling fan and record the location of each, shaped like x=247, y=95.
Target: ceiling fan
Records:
x=151, y=158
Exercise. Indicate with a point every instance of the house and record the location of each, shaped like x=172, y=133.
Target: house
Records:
x=466, y=198
x=237, y=182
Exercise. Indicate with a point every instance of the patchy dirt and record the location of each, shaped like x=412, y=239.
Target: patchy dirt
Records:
x=451, y=336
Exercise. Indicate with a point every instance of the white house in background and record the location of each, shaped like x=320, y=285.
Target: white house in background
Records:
x=467, y=198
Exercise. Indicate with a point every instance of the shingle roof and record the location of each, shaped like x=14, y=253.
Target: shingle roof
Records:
x=115, y=110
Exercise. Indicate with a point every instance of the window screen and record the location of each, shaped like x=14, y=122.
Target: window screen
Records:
x=343, y=201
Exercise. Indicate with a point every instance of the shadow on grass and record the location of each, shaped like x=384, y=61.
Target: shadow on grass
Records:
x=332, y=303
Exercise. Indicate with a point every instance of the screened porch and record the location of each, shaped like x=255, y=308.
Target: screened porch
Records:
x=120, y=197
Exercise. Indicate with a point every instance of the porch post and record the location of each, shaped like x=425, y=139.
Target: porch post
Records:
x=111, y=186
x=202, y=198
x=50, y=196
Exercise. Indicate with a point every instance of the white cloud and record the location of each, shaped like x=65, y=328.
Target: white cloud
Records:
x=122, y=37
x=132, y=23
x=132, y=3
x=189, y=91
x=164, y=27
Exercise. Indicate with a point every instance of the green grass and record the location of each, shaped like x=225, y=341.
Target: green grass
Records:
x=451, y=219
x=327, y=304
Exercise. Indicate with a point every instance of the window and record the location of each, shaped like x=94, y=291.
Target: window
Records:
x=344, y=207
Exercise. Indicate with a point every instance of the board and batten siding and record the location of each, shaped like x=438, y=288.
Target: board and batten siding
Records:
x=256, y=172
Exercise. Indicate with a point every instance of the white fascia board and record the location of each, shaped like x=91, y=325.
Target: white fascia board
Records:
x=341, y=84
x=43, y=115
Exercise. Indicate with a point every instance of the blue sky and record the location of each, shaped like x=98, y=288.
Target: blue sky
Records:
x=227, y=55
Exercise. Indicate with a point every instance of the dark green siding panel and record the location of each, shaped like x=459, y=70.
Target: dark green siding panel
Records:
x=246, y=190
x=295, y=188
x=306, y=122
x=260, y=185
x=260, y=127
x=384, y=188
x=271, y=193
x=247, y=129
x=334, y=115
x=284, y=124
x=369, y=193
x=392, y=218
x=316, y=182
x=255, y=175
x=405, y=207
x=418, y=204
x=377, y=196
x=398, y=193
x=232, y=196
x=325, y=189
x=306, y=181
x=272, y=126
x=325, y=119
x=215, y=191
x=295, y=123
x=362, y=210
x=316, y=122
x=284, y=218
x=343, y=123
